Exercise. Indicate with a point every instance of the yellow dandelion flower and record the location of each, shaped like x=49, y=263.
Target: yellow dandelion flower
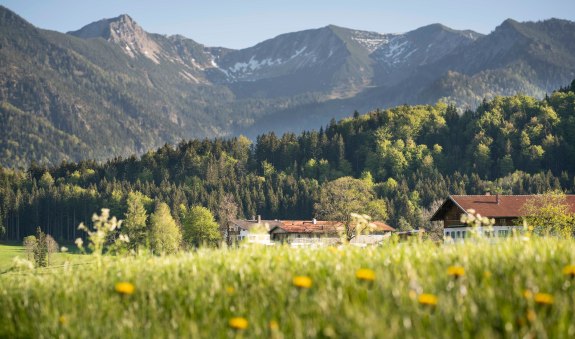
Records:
x=569, y=270
x=230, y=290
x=427, y=299
x=487, y=274
x=302, y=281
x=543, y=298
x=62, y=320
x=365, y=274
x=125, y=288
x=527, y=294
x=455, y=271
x=238, y=323
x=274, y=326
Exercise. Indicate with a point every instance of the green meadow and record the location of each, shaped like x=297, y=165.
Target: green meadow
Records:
x=514, y=288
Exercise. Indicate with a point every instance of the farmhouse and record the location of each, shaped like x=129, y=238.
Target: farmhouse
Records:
x=300, y=232
x=253, y=231
x=505, y=209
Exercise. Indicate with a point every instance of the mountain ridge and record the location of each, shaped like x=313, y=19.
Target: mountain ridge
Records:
x=140, y=90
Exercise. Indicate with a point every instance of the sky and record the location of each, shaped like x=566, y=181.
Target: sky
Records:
x=243, y=23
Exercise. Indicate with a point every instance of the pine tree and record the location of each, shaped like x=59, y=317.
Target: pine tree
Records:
x=41, y=249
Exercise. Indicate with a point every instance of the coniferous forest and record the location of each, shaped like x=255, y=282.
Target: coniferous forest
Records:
x=414, y=156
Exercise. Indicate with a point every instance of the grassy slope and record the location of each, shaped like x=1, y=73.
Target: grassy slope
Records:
x=195, y=295
x=10, y=250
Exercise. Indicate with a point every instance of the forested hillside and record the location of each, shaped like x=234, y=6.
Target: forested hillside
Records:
x=412, y=155
x=112, y=89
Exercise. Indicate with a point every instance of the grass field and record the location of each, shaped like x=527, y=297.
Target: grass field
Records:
x=10, y=250
x=514, y=288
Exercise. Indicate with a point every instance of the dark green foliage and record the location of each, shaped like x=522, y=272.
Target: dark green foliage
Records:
x=41, y=249
x=413, y=156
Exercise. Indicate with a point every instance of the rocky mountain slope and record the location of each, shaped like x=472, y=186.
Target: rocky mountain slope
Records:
x=113, y=89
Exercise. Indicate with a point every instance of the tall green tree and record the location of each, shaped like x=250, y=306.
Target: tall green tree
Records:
x=341, y=197
x=134, y=225
x=165, y=235
x=41, y=249
x=550, y=214
x=200, y=228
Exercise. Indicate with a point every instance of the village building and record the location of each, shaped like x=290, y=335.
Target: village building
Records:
x=506, y=210
x=255, y=230
x=300, y=233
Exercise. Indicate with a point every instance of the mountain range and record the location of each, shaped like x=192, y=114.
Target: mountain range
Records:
x=112, y=89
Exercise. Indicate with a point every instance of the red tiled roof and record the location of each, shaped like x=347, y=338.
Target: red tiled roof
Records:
x=381, y=226
x=304, y=226
x=248, y=224
x=493, y=206
x=322, y=226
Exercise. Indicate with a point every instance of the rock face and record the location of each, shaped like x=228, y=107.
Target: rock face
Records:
x=125, y=32
x=111, y=88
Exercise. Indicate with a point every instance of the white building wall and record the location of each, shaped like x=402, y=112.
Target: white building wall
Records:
x=460, y=233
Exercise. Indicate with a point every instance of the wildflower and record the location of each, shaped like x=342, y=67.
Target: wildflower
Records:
x=63, y=249
x=273, y=325
x=79, y=242
x=230, y=290
x=455, y=271
x=543, y=298
x=569, y=270
x=527, y=294
x=62, y=320
x=427, y=299
x=365, y=274
x=124, y=238
x=238, y=323
x=302, y=282
x=487, y=274
x=125, y=288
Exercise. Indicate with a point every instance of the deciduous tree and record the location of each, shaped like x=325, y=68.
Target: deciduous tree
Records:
x=340, y=198
x=165, y=235
x=200, y=228
x=549, y=214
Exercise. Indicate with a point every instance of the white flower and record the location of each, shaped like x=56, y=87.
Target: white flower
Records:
x=79, y=242
x=124, y=238
x=64, y=249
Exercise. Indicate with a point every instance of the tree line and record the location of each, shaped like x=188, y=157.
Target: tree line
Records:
x=411, y=156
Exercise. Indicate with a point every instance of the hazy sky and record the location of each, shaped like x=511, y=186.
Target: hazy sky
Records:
x=243, y=23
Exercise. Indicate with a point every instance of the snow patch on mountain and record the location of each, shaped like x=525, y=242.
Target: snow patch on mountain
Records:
x=370, y=41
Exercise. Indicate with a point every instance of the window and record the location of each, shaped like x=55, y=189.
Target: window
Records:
x=463, y=234
x=458, y=234
x=503, y=233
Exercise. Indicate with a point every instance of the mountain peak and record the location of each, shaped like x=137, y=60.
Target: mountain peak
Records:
x=508, y=24
x=124, y=31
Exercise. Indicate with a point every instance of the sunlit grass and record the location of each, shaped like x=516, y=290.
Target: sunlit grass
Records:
x=513, y=288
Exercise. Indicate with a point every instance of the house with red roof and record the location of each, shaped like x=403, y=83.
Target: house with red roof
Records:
x=321, y=232
x=299, y=233
x=507, y=211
